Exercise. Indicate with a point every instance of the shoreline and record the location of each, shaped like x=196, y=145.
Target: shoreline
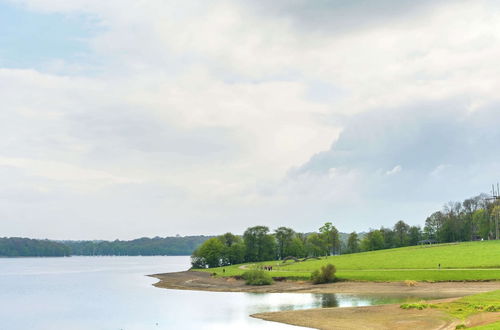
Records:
x=389, y=316
x=203, y=281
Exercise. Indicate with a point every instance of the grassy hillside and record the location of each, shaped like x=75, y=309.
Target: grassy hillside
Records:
x=461, y=261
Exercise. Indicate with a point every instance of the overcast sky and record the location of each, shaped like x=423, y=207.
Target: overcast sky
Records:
x=122, y=119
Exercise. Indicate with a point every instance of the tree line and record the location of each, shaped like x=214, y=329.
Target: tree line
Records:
x=475, y=218
x=25, y=247
x=259, y=244
x=172, y=246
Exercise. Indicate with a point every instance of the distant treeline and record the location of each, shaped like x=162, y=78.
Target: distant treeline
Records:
x=172, y=246
x=475, y=218
x=25, y=247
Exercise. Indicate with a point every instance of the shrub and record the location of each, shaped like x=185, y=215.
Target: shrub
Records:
x=257, y=277
x=325, y=275
x=419, y=306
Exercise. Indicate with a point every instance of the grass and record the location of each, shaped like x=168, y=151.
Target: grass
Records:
x=468, y=261
x=466, y=306
x=491, y=326
x=419, y=306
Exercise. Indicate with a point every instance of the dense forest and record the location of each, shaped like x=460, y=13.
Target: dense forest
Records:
x=172, y=246
x=25, y=247
x=475, y=218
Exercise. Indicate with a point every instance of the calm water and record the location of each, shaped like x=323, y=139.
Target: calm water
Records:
x=113, y=293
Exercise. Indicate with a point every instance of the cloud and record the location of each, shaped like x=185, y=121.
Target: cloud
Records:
x=396, y=169
x=217, y=115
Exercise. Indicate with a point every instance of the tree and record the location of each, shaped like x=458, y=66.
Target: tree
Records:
x=433, y=225
x=481, y=221
x=234, y=249
x=353, y=242
x=297, y=248
x=330, y=235
x=401, y=230
x=389, y=238
x=414, y=235
x=284, y=239
x=259, y=245
x=209, y=254
x=374, y=240
x=316, y=245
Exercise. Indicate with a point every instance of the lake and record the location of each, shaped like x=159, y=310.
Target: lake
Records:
x=114, y=293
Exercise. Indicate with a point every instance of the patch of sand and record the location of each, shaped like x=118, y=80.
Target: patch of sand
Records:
x=389, y=317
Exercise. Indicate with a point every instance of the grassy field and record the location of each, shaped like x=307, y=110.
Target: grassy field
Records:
x=492, y=326
x=459, y=261
x=466, y=306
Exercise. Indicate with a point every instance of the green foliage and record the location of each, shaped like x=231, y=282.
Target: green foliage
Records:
x=466, y=306
x=476, y=261
x=172, y=246
x=316, y=246
x=330, y=235
x=257, y=277
x=374, y=240
x=419, y=306
x=209, y=254
x=325, y=275
x=353, y=243
x=491, y=326
x=402, y=233
x=284, y=239
x=259, y=245
x=25, y=247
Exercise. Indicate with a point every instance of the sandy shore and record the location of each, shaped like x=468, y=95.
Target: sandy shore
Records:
x=389, y=317
x=371, y=317
x=192, y=280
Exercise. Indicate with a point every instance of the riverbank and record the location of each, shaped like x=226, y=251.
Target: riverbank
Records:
x=202, y=281
x=370, y=317
x=390, y=317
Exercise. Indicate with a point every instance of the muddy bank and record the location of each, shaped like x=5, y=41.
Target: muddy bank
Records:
x=370, y=317
x=376, y=317
x=192, y=280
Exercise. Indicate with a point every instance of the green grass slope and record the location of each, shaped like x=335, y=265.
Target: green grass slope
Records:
x=466, y=261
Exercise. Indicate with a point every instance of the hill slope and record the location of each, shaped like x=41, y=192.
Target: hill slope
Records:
x=460, y=261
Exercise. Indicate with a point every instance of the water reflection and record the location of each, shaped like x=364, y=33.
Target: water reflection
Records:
x=113, y=293
x=273, y=302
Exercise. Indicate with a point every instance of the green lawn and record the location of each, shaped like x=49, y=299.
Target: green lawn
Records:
x=463, y=261
x=492, y=326
x=468, y=305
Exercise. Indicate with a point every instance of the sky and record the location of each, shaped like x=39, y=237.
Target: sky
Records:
x=123, y=119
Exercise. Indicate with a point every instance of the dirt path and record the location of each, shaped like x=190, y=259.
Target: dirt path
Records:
x=191, y=280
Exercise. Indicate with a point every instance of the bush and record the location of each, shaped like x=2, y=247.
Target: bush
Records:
x=257, y=277
x=419, y=306
x=325, y=275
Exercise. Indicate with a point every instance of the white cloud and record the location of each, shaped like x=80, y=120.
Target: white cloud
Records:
x=64, y=172
x=396, y=169
x=210, y=102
